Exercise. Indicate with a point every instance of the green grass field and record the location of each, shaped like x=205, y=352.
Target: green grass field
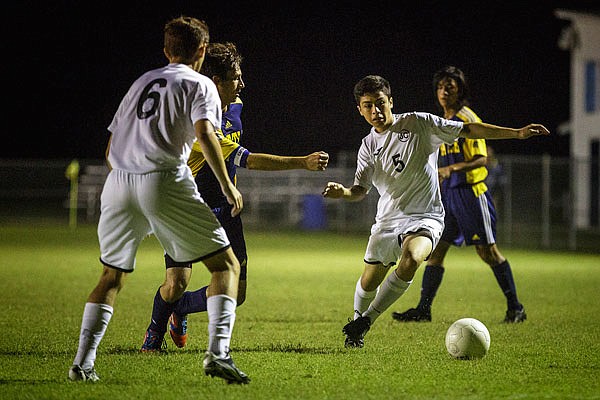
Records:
x=288, y=336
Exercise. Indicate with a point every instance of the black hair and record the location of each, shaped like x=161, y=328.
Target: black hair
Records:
x=371, y=84
x=459, y=77
x=220, y=58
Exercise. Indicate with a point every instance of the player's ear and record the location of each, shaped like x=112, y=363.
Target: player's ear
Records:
x=201, y=50
x=391, y=103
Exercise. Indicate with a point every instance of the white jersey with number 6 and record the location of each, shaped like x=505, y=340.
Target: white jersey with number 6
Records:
x=150, y=188
x=153, y=128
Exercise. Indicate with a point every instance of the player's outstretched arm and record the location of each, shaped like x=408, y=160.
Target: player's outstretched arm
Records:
x=316, y=161
x=207, y=138
x=334, y=190
x=482, y=130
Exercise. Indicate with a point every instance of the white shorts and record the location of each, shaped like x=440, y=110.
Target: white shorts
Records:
x=385, y=244
x=166, y=204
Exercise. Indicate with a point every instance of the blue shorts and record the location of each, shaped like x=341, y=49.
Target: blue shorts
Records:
x=235, y=233
x=470, y=220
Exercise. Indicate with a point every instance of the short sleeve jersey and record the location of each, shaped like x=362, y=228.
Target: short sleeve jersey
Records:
x=401, y=163
x=462, y=150
x=153, y=128
x=234, y=154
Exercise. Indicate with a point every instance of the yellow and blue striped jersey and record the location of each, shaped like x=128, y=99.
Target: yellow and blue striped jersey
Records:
x=234, y=154
x=465, y=150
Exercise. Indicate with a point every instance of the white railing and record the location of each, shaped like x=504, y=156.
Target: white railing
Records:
x=535, y=200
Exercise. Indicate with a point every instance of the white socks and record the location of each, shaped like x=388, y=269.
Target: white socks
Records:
x=221, y=317
x=362, y=299
x=389, y=291
x=93, y=326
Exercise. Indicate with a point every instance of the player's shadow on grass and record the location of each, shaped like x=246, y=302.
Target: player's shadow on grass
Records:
x=275, y=348
x=290, y=348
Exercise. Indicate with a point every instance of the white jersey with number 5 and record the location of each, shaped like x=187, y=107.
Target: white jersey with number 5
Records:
x=402, y=165
x=153, y=128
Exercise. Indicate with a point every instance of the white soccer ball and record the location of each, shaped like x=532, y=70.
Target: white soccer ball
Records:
x=467, y=338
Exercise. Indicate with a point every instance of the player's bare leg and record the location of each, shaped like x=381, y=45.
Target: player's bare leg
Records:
x=165, y=301
x=415, y=248
x=432, y=279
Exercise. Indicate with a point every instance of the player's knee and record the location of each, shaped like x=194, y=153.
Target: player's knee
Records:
x=489, y=255
x=416, y=249
x=223, y=262
x=173, y=290
x=234, y=266
x=111, y=279
x=415, y=256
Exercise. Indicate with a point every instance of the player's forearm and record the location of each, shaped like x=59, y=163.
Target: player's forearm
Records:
x=465, y=166
x=334, y=190
x=354, y=193
x=482, y=130
x=270, y=162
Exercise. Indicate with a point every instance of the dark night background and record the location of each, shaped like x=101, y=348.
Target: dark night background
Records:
x=69, y=63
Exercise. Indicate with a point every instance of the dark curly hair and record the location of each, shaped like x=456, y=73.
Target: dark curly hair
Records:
x=221, y=58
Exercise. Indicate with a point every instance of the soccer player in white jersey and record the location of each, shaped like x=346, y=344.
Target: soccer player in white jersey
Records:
x=399, y=158
x=150, y=190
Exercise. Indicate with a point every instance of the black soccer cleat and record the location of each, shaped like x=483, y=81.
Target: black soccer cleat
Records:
x=513, y=316
x=76, y=373
x=355, y=332
x=224, y=368
x=412, y=315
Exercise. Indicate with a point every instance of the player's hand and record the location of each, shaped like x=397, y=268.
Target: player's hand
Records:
x=317, y=161
x=234, y=197
x=333, y=190
x=532, y=130
x=444, y=173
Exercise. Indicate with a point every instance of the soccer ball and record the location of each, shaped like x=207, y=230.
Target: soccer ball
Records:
x=467, y=338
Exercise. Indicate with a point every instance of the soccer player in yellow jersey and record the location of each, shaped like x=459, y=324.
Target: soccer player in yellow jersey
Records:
x=222, y=64
x=470, y=213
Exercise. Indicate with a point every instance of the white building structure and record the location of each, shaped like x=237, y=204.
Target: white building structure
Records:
x=582, y=39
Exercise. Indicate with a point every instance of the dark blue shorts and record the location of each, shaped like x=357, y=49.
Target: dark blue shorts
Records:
x=235, y=233
x=470, y=220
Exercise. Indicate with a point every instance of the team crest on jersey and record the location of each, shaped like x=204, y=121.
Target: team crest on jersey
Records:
x=404, y=135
